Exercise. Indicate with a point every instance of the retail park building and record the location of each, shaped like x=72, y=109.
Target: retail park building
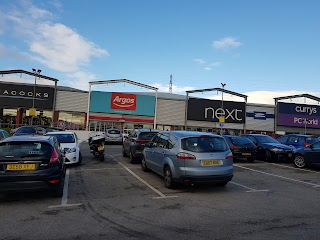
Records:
x=71, y=108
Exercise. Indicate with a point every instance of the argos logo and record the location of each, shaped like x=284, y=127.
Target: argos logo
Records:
x=123, y=101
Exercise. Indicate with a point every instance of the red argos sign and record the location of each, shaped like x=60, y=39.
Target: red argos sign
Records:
x=123, y=101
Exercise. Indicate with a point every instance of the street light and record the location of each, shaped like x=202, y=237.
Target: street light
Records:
x=222, y=122
x=36, y=74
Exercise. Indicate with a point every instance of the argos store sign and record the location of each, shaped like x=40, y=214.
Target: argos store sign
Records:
x=122, y=103
x=298, y=115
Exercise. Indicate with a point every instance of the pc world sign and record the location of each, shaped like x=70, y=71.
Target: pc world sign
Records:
x=298, y=115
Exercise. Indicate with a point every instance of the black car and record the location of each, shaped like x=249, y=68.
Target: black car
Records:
x=270, y=149
x=31, y=162
x=241, y=147
x=307, y=156
x=27, y=130
x=134, y=143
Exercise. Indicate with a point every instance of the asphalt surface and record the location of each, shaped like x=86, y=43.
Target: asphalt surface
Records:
x=117, y=200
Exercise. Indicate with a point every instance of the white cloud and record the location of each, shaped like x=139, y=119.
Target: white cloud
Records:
x=225, y=43
x=80, y=80
x=175, y=89
x=199, y=61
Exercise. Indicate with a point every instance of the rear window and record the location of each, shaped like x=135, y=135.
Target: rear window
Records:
x=113, y=131
x=25, y=130
x=238, y=141
x=311, y=140
x=25, y=149
x=146, y=135
x=204, y=144
x=64, y=138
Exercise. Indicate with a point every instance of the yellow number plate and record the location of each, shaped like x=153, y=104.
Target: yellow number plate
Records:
x=210, y=162
x=17, y=167
x=100, y=148
x=246, y=154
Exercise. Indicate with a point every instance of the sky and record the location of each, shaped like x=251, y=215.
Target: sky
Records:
x=263, y=49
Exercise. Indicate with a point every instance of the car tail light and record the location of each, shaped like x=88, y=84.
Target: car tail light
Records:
x=233, y=147
x=54, y=157
x=205, y=136
x=229, y=156
x=186, y=156
x=305, y=144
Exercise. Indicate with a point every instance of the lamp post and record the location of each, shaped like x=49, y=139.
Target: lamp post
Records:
x=222, y=122
x=36, y=74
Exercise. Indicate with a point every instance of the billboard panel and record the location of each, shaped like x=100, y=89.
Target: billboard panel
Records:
x=122, y=103
x=298, y=115
x=210, y=110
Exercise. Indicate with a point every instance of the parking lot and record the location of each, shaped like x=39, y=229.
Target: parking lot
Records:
x=117, y=200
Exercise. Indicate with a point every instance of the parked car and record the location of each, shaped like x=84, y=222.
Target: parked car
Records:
x=297, y=140
x=70, y=144
x=31, y=162
x=27, y=130
x=189, y=157
x=113, y=136
x=307, y=156
x=241, y=147
x=3, y=134
x=270, y=149
x=135, y=142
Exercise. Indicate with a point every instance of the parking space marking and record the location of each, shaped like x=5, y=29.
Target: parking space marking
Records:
x=278, y=176
x=99, y=169
x=64, y=199
x=250, y=189
x=285, y=166
x=144, y=182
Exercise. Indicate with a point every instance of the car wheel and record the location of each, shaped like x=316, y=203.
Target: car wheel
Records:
x=299, y=161
x=124, y=154
x=168, y=181
x=132, y=159
x=268, y=156
x=80, y=160
x=57, y=191
x=144, y=164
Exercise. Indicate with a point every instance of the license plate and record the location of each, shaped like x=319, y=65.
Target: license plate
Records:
x=100, y=148
x=21, y=167
x=246, y=154
x=210, y=162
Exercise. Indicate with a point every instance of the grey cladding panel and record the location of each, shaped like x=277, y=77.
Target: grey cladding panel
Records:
x=72, y=101
x=170, y=112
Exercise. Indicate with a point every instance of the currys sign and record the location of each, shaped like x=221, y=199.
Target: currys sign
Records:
x=123, y=101
x=210, y=110
x=298, y=115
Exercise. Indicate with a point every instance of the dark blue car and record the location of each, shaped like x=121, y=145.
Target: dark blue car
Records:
x=307, y=156
x=297, y=140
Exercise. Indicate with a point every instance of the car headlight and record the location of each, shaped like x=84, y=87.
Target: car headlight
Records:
x=70, y=150
x=277, y=149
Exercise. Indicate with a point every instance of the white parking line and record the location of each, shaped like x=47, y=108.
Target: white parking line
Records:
x=285, y=166
x=278, y=176
x=99, y=169
x=144, y=182
x=250, y=189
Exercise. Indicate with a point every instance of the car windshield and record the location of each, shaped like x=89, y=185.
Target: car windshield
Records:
x=266, y=139
x=114, y=131
x=64, y=138
x=25, y=149
x=25, y=130
x=240, y=141
x=146, y=135
x=204, y=144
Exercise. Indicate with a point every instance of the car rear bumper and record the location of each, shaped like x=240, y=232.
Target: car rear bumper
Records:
x=205, y=179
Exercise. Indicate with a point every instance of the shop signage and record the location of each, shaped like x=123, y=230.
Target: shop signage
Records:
x=211, y=111
x=298, y=115
x=15, y=95
x=260, y=115
x=123, y=101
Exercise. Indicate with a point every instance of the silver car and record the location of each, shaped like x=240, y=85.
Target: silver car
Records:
x=113, y=136
x=189, y=157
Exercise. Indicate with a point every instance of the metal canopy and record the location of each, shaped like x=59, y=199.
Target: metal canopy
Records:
x=125, y=81
x=28, y=73
x=298, y=96
x=218, y=89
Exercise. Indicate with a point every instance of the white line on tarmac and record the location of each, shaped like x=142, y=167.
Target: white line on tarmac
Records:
x=99, y=169
x=285, y=166
x=278, y=176
x=250, y=189
x=147, y=184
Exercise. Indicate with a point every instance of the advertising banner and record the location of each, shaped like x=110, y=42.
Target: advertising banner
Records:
x=298, y=115
x=211, y=111
x=122, y=103
x=15, y=95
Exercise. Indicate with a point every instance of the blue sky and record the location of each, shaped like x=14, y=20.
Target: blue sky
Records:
x=263, y=49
